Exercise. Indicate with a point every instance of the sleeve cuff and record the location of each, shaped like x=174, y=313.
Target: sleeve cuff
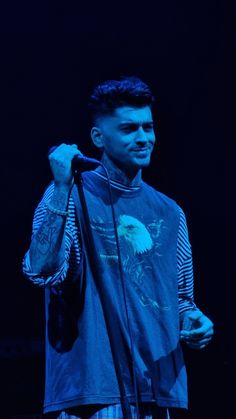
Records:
x=44, y=279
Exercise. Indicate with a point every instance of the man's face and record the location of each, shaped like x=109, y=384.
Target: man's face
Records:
x=128, y=137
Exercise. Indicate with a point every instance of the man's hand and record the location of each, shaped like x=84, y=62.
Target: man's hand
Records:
x=197, y=330
x=60, y=162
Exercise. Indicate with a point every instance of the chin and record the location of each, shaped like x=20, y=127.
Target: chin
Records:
x=144, y=163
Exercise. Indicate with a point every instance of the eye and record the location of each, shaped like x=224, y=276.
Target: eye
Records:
x=148, y=128
x=127, y=129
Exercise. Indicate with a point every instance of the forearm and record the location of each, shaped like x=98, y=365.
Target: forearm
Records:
x=184, y=270
x=47, y=249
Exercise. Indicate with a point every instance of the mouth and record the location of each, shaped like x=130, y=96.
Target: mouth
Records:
x=142, y=151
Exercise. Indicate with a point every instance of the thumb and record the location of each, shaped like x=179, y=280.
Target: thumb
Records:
x=195, y=315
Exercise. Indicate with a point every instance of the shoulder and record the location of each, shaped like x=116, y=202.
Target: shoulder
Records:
x=161, y=198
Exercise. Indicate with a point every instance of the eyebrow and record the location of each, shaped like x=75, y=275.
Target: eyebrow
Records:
x=135, y=124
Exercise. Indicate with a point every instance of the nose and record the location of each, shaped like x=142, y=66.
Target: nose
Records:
x=141, y=138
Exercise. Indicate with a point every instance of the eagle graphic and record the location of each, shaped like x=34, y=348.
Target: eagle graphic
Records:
x=135, y=233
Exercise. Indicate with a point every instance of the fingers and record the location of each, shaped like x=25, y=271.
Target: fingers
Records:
x=63, y=148
x=196, y=324
x=202, y=343
x=197, y=338
x=60, y=161
x=187, y=337
x=200, y=335
x=205, y=338
x=205, y=330
x=59, y=147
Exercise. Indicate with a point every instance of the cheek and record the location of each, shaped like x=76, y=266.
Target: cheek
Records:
x=116, y=147
x=152, y=137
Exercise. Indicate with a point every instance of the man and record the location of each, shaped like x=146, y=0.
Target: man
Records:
x=114, y=319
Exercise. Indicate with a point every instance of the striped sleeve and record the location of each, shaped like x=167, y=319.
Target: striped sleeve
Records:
x=69, y=268
x=184, y=268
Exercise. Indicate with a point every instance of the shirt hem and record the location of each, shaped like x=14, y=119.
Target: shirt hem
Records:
x=106, y=400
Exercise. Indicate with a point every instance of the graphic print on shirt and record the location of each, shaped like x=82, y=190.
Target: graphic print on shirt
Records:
x=138, y=244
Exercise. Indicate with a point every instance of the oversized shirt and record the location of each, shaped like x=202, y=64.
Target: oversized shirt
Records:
x=157, y=274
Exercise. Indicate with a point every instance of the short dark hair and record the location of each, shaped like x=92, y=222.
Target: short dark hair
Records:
x=111, y=94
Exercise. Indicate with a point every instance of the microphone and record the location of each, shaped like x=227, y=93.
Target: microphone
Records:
x=82, y=163
x=79, y=162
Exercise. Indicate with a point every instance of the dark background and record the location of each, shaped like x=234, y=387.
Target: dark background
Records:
x=51, y=57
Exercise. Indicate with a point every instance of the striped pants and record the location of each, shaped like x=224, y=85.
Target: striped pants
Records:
x=115, y=412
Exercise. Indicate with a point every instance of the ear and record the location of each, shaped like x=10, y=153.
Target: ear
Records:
x=97, y=137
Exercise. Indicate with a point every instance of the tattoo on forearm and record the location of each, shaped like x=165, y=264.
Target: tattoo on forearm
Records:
x=46, y=239
x=47, y=247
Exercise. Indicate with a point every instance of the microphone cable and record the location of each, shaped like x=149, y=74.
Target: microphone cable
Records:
x=124, y=292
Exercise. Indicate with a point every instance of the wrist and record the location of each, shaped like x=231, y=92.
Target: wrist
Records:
x=56, y=211
x=60, y=197
x=64, y=188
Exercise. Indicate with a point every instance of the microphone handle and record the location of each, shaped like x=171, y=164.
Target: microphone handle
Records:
x=83, y=163
x=80, y=162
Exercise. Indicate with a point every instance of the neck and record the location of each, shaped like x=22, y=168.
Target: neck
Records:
x=127, y=178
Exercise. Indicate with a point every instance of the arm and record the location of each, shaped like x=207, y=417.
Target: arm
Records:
x=47, y=247
x=184, y=270
x=196, y=328
x=52, y=239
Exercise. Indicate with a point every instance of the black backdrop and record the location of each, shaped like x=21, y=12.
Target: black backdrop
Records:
x=51, y=57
